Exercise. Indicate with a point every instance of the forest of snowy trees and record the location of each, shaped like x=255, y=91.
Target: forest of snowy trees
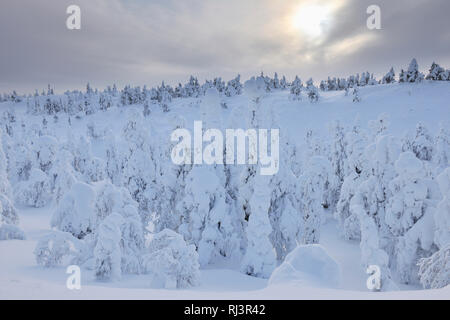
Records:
x=133, y=211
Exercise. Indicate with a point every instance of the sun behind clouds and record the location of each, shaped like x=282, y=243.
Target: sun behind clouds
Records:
x=312, y=19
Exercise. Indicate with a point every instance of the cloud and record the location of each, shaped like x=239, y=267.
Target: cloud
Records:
x=144, y=42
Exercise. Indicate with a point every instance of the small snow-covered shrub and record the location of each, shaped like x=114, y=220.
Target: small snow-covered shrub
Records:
x=75, y=212
x=172, y=262
x=36, y=191
x=56, y=246
x=11, y=232
x=434, y=272
x=308, y=265
x=8, y=213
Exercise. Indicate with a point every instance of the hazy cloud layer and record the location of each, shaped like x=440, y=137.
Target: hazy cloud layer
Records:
x=144, y=42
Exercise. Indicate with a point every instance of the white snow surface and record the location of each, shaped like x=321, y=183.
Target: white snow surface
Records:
x=406, y=104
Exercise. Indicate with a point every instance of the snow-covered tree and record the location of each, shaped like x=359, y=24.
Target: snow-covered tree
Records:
x=311, y=91
x=45, y=150
x=371, y=251
x=421, y=143
x=75, y=213
x=260, y=256
x=117, y=200
x=368, y=205
x=338, y=155
x=62, y=175
x=95, y=170
x=437, y=73
x=234, y=87
x=389, y=77
x=107, y=251
x=442, y=213
x=59, y=247
x=412, y=74
x=296, y=89
x=434, y=272
x=314, y=186
x=82, y=154
x=192, y=88
x=8, y=213
x=409, y=215
x=285, y=212
x=206, y=219
x=171, y=261
x=441, y=148
x=283, y=83
x=34, y=192
x=356, y=96
x=356, y=172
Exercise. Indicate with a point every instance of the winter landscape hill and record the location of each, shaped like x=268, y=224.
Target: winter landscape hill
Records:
x=88, y=179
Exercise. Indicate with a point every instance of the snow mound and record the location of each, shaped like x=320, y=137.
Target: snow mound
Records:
x=308, y=265
x=11, y=232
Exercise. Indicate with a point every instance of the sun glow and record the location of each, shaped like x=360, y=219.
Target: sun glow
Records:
x=312, y=20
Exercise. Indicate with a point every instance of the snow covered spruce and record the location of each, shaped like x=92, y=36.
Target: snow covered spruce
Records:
x=100, y=162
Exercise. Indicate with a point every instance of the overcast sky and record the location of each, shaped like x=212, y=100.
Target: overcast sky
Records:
x=144, y=42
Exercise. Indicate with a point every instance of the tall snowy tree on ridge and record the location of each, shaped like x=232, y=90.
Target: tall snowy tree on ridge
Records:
x=413, y=74
x=192, y=88
x=437, y=73
x=311, y=91
x=389, y=77
x=296, y=89
x=234, y=87
x=283, y=83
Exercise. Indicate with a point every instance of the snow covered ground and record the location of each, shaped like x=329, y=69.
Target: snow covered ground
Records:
x=406, y=105
x=21, y=278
